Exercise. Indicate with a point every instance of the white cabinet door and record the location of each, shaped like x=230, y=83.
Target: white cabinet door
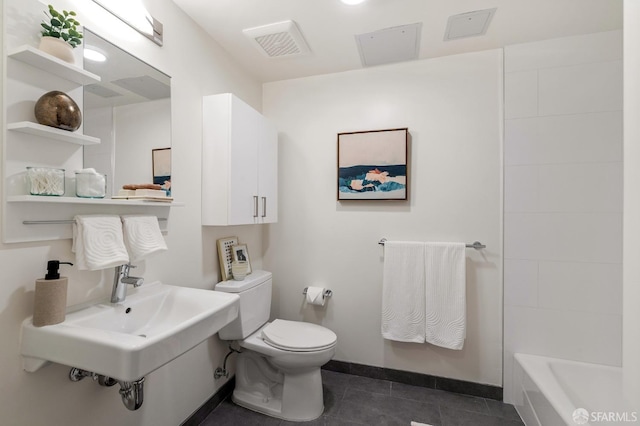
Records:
x=216, y=146
x=246, y=133
x=268, y=173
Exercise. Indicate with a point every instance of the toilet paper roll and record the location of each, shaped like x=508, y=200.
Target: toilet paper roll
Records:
x=315, y=296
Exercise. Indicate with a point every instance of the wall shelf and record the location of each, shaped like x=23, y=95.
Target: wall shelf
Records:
x=39, y=59
x=93, y=201
x=48, y=132
x=30, y=218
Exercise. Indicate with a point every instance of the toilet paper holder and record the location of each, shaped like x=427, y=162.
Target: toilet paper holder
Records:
x=327, y=293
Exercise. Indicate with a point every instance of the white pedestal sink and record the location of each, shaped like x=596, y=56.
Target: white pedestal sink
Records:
x=126, y=341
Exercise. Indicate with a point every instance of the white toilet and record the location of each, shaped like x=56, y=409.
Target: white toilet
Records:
x=278, y=370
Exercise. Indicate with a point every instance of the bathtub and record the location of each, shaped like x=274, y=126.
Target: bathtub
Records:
x=548, y=391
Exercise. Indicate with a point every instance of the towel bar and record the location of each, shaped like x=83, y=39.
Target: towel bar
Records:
x=327, y=292
x=475, y=245
x=60, y=222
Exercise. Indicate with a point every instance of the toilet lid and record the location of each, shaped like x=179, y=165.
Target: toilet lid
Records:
x=298, y=336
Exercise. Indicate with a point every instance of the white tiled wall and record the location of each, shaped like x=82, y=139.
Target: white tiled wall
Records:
x=563, y=199
x=631, y=272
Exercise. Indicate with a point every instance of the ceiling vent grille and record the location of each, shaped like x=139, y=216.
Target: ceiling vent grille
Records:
x=282, y=39
x=468, y=24
x=103, y=92
x=396, y=44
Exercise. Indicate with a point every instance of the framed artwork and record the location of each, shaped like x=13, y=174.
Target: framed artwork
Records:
x=161, y=165
x=240, y=252
x=225, y=256
x=372, y=165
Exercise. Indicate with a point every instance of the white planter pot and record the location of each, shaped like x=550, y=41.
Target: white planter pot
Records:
x=58, y=48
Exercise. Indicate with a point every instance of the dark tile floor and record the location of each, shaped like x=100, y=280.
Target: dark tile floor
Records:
x=355, y=401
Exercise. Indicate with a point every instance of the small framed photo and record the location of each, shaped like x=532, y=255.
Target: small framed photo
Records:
x=225, y=256
x=161, y=167
x=372, y=165
x=240, y=252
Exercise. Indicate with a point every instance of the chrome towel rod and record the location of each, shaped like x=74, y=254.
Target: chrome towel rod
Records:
x=475, y=245
x=60, y=222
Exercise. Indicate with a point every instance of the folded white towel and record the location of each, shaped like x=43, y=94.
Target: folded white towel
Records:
x=98, y=242
x=445, y=294
x=403, y=292
x=142, y=236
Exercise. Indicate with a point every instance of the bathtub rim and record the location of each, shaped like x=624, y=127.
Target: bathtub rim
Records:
x=547, y=382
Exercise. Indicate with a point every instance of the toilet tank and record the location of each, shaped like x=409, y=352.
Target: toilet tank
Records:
x=255, y=304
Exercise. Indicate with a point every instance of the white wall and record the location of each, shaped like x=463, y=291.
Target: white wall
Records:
x=631, y=274
x=128, y=134
x=99, y=123
x=563, y=199
x=139, y=128
x=452, y=107
x=198, y=67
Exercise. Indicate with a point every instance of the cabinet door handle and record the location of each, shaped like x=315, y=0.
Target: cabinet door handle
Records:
x=255, y=206
x=264, y=206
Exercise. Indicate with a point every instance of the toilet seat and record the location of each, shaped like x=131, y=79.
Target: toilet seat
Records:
x=297, y=336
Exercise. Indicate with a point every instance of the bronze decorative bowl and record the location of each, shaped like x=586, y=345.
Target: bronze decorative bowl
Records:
x=57, y=109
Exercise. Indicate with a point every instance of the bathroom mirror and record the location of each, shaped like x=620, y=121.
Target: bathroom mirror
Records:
x=129, y=110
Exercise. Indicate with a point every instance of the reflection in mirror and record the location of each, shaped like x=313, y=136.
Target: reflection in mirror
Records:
x=129, y=110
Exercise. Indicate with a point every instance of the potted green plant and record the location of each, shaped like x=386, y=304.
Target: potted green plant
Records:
x=60, y=34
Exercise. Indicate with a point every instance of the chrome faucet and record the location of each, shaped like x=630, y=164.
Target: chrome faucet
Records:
x=120, y=280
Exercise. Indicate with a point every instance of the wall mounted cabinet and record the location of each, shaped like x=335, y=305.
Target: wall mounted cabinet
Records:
x=239, y=164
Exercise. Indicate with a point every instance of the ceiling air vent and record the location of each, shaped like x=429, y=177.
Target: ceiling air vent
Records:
x=468, y=24
x=389, y=45
x=282, y=39
x=101, y=91
x=145, y=86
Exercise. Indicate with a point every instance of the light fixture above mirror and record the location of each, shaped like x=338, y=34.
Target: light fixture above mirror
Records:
x=135, y=14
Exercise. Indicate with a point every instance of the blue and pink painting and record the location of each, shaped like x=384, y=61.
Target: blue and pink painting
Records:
x=161, y=161
x=372, y=165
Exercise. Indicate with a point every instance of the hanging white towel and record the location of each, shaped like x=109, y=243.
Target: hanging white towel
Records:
x=445, y=300
x=98, y=242
x=403, y=292
x=142, y=236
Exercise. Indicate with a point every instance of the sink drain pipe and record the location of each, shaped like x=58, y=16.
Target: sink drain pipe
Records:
x=132, y=393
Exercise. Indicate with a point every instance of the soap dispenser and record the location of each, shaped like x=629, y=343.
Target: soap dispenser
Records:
x=50, y=301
